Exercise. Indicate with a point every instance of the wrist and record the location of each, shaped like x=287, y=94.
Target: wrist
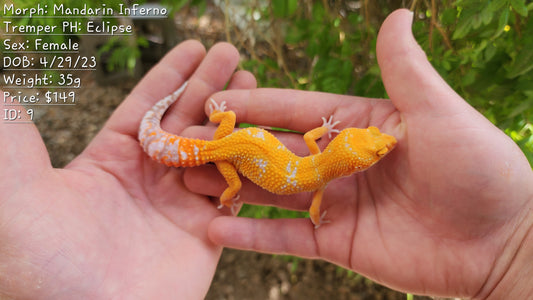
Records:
x=517, y=281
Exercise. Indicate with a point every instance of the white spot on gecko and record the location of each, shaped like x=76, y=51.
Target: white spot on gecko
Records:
x=174, y=156
x=260, y=134
x=291, y=174
x=196, y=151
x=155, y=147
x=261, y=163
x=183, y=155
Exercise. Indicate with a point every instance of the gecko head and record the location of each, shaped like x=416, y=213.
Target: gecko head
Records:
x=362, y=148
x=379, y=143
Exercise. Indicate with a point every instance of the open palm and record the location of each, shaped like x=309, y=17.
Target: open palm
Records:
x=113, y=223
x=442, y=214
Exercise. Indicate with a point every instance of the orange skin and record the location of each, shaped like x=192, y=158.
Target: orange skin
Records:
x=262, y=158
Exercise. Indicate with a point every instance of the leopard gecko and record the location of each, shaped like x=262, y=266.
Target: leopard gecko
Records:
x=261, y=157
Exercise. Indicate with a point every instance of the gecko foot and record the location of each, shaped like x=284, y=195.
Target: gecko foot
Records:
x=330, y=125
x=213, y=106
x=235, y=205
x=322, y=220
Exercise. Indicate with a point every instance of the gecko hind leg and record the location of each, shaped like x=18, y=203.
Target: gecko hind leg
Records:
x=229, y=197
x=314, y=211
x=225, y=118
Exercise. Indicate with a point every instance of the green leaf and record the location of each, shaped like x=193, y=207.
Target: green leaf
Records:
x=520, y=7
x=284, y=8
x=521, y=107
x=490, y=51
x=448, y=16
x=446, y=65
x=522, y=64
x=292, y=6
x=504, y=19
x=496, y=5
x=486, y=15
x=469, y=78
x=463, y=27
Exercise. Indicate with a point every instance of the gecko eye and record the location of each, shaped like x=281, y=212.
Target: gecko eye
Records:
x=381, y=152
x=388, y=145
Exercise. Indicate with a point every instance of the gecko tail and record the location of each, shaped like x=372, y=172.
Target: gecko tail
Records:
x=162, y=146
x=152, y=118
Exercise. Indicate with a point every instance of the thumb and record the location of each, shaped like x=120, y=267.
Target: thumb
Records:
x=23, y=151
x=411, y=82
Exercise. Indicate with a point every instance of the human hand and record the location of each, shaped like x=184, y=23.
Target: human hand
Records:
x=113, y=223
x=445, y=213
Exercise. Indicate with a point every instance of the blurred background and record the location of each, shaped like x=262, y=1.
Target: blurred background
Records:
x=483, y=49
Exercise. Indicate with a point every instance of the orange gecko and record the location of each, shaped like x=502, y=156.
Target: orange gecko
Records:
x=259, y=156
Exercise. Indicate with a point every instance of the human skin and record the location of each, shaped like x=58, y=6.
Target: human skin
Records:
x=446, y=213
x=113, y=223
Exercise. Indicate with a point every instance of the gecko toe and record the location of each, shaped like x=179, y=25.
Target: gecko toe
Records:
x=235, y=205
x=322, y=220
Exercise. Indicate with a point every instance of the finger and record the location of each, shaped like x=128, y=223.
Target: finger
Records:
x=242, y=80
x=239, y=80
x=293, y=141
x=164, y=78
x=212, y=75
x=206, y=180
x=339, y=195
x=23, y=151
x=413, y=85
x=303, y=110
x=281, y=236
